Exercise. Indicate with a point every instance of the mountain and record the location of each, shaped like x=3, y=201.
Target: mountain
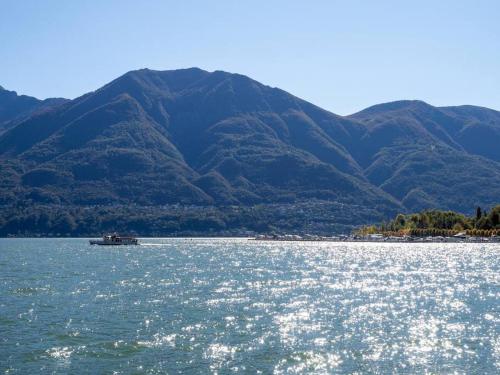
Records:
x=15, y=108
x=199, y=139
x=426, y=157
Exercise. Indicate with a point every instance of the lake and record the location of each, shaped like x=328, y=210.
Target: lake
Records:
x=198, y=306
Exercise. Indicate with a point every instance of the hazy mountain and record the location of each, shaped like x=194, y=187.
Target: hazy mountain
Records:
x=15, y=108
x=218, y=139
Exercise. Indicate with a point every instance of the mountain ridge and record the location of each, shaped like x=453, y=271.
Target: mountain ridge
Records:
x=194, y=137
x=15, y=108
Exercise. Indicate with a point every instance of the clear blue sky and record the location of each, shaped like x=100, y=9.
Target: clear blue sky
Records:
x=340, y=55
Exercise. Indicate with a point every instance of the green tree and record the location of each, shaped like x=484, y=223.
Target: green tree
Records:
x=478, y=213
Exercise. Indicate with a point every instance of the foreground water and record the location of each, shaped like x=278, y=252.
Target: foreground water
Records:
x=199, y=306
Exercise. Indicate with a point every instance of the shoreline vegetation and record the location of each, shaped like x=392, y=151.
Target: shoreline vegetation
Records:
x=433, y=223
x=425, y=226
x=256, y=224
x=314, y=216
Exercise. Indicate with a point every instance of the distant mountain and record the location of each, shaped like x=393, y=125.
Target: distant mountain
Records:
x=15, y=108
x=426, y=157
x=190, y=137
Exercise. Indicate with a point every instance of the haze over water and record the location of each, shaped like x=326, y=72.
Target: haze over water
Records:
x=197, y=306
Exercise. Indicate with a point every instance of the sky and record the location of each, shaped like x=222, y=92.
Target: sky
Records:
x=340, y=55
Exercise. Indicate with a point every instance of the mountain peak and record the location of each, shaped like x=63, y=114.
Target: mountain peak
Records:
x=193, y=73
x=392, y=106
x=148, y=71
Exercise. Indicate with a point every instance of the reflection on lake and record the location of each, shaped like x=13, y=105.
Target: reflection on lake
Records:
x=201, y=306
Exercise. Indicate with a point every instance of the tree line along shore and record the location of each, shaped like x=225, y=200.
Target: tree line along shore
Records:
x=433, y=223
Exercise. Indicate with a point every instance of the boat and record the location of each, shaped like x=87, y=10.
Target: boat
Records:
x=114, y=240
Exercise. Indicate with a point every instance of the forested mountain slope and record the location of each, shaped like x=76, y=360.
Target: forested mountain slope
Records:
x=191, y=137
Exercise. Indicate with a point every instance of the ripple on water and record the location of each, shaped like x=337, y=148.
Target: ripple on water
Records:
x=61, y=353
x=229, y=305
x=159, y=340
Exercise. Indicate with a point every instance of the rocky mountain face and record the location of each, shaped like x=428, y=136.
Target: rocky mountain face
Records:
x=190, y=137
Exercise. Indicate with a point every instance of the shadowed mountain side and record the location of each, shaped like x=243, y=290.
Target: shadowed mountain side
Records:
x=480, y=133
x=474, y=130
x=15, y=108
x=424, y=177
x=430, y=157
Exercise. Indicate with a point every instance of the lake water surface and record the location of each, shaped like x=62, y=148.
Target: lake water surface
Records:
x=197, y=306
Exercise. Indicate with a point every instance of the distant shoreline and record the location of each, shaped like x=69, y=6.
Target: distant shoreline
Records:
x=379, y=241
x=477, y=240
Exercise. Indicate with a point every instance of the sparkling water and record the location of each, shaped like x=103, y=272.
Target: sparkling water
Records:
x=198, y=306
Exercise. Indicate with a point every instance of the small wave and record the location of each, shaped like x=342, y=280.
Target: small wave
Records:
x=159, y=340
x=62, y=353
x=308, y=362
